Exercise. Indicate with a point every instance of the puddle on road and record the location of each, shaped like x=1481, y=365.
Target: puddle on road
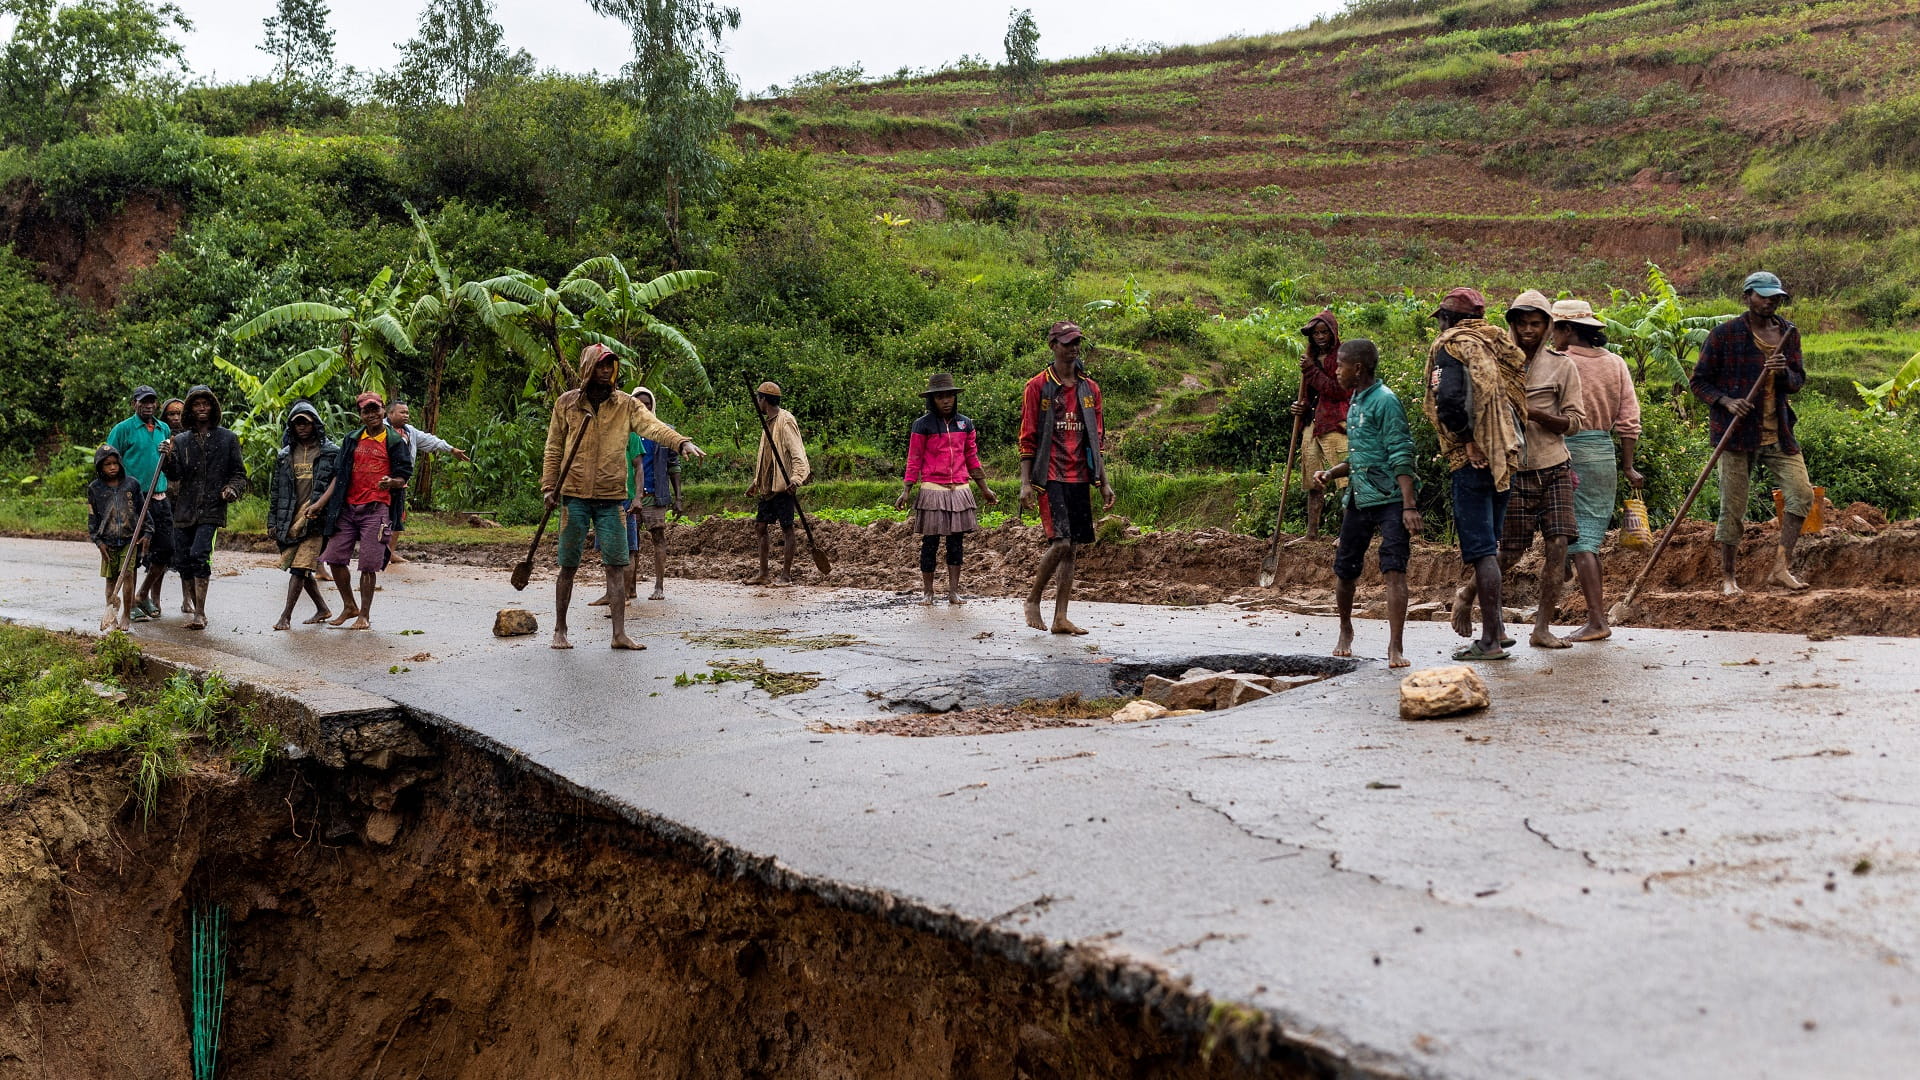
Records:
x=998, y=698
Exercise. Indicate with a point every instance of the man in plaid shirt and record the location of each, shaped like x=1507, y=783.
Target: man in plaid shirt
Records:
x=1758, y=347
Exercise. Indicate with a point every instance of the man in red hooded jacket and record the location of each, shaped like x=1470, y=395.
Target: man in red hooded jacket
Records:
x=1322, y=395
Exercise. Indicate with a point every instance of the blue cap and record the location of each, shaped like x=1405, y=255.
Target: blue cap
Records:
x=1764, y=283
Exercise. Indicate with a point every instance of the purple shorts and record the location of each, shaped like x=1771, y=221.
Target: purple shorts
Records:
x=367, y=527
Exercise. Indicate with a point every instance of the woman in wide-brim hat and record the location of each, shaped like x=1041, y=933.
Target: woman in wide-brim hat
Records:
x=1612, y=410
x=943, y=457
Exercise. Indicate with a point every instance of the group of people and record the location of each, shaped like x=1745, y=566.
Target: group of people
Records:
x=1537, y=421
x=166, y=474
x=1528, y=417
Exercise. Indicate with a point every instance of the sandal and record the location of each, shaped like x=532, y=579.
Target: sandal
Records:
x=1474, y=651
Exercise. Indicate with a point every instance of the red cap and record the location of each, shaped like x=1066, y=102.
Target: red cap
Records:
x=1463, y=301
x=361, y=401
x=1064, y=330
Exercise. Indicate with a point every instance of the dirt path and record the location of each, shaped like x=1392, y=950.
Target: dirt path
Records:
x=1866, y=581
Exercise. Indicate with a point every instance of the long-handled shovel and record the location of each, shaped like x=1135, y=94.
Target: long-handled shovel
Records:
x=125, y=589
x=1270, y=566
x=523, y=570
x=1624, y=611
x=819, y=557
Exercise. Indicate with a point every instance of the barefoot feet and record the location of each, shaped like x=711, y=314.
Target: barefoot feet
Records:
x=1729, y=587
x=346, y=615
x=622, y=641
x=1462, y=614
x=1396, y=658
x=1033, y=616
x=657, y=594
x=1543, y=638
x=1344, y=647
x=1591, y=632
x=285, y=623
x=361, y=623
x=560, y=641
x=1062, y=625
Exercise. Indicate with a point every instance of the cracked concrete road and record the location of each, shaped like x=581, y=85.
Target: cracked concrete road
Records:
x=1674, y=854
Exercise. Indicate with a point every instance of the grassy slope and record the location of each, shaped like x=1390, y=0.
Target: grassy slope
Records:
x=1575, y=141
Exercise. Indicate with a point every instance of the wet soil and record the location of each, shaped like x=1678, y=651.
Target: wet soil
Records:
x=450, y=915
x=1865, y=573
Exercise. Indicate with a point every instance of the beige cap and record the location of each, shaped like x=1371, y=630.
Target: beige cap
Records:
x=769, y=388
x=1532, y=299
x=1576, y=311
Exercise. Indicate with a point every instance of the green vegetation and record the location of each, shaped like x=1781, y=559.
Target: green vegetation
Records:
x=62, y=699
x=458, y=235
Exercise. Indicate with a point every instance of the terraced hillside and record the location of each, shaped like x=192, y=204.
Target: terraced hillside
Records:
x=1501, y=135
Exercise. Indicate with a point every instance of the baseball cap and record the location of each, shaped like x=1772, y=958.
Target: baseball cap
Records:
x=366, y=397
x=1764, y=283
x=1463, y=301
x=142, y=393
x=1063, y=331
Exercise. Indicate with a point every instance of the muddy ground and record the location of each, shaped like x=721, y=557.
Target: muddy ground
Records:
x=1866, y=576
x=451, y=916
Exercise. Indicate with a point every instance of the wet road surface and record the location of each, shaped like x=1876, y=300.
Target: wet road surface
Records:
x=1651, y=858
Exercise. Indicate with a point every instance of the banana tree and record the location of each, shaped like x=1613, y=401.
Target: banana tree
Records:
x=370, y=336
x=1900, y=390
x=621, y=317
x=538, y=323
x=1655, y=334
x=445, y=317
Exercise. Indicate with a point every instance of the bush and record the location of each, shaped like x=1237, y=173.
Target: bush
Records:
x=39, y=331
x=88, y=177
x=251, y=107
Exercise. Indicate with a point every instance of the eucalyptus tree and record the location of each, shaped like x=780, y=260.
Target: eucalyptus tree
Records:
x=458, y=50
x=681, y=85
x=300, y=41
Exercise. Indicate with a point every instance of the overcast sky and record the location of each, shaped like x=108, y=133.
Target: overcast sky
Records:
x=777, y=39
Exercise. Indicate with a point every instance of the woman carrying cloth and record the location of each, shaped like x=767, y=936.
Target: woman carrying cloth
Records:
x=943, y=457
x=1612, y=410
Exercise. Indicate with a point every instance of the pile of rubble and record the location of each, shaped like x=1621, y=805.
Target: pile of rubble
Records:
x=1200, y=690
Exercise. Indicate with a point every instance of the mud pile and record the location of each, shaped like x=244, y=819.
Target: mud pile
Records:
x=1865, y=573
x=448, y=915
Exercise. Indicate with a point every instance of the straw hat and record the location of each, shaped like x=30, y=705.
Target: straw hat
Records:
x=1576, y=311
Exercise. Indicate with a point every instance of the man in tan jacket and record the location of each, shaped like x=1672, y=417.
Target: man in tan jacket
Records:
x=775, y=482
x=586, y=469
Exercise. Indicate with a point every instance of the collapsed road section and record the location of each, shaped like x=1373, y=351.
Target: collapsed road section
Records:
x=401, y=901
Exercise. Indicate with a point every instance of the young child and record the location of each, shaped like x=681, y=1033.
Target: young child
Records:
x=113, y=507
x=1380, y=496
x=943, y=457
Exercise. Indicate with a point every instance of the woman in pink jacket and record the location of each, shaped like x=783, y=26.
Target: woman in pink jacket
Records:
x=943, y=457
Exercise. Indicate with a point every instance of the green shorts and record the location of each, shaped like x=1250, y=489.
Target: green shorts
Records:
x=111, y=563
x=604, y=516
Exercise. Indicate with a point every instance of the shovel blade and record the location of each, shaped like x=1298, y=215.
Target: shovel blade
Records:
x=522, y=573
x=820, y=562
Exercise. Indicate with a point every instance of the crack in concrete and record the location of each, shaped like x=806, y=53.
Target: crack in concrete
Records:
x=1527, y=823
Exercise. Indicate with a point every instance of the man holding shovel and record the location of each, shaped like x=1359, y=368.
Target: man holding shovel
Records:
x=138, y=439
x=1323, y=398
x=1759, y=347
x=585, y=471
x=776, y=482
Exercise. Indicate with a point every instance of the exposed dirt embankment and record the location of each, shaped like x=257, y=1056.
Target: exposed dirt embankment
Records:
x=449, y=915
x=93, y=262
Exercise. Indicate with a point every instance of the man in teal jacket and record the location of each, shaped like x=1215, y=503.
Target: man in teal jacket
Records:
x=1380, y=495
x=138, y=439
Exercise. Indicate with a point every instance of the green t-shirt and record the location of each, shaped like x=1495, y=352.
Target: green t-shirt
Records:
x=633, y=455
